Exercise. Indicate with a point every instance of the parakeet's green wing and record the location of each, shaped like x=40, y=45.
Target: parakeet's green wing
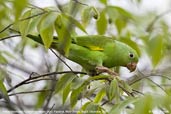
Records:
x=87, y=58
x=93, y=42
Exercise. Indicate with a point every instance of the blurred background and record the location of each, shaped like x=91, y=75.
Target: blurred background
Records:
x=143, y=24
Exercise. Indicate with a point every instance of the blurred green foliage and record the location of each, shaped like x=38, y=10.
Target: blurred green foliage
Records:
x=149, y=34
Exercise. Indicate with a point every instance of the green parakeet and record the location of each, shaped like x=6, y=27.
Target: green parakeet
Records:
x=95, y=50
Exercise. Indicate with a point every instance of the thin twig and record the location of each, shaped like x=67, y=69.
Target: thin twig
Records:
x=51, y=109
x=80, y=2
x=61, y=59
x=33, y=16
x=28, y=92
x=33, y=74
x=34, y=6
x=6, y=28
x=13, y=30
x=157, y=85
x=9, y=37
x=105, y=102
x=43, y=75
x=53, y=85
x=127, y=92
x=42, y=79
x=164, y=110
x=142, y=76
x=137, y=91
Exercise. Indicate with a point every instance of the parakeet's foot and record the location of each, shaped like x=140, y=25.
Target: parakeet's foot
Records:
x=102, y=69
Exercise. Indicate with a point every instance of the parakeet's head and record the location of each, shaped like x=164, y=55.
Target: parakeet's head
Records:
x=128, y=58
x=131, y=58
x=132, y=61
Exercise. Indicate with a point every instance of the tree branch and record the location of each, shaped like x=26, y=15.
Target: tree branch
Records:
x=6, y=28
x=43, y=75
x=157, y=85
x=28, y=92
x=142, y=76
x=9, y=37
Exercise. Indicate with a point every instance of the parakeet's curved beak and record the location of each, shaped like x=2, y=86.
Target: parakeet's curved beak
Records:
x=131, y=66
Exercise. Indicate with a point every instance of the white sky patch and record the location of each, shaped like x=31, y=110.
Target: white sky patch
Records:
x=47, y=3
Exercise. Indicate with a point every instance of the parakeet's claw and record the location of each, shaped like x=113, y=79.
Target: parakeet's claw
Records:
x=103, y=69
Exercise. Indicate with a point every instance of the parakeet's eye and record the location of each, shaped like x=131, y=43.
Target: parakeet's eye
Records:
x=131, y=55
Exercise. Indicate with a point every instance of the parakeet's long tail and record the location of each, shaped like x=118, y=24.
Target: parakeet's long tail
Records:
x=55, y=44
x=39, y=39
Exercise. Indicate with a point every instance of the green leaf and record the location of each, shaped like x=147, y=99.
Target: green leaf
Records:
x=112, y=90
x=86, y=16
x=82, y=109
x=74, y=22
x=103, y=1
x=115, y=12
x=99, y=96
x=76, y=83
x=3, y=60
x=101, y=23
x=3, y=91
x=35, y=21
x=144, y=105
x=166, y=101
x=9, y=54
x=90, y=92
x=64, y=81
x=3, y=74
x=63, y=29
x=126, y=86
x=119, y=11
x=93, y=108
x=155, y=49
x=117, y=108
x=19, y=6
x=120, y=24
x=41, y=99
x=46, y=28
x=66, y=92
x=88, y=13
x=75, y=96
x=24, y=24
